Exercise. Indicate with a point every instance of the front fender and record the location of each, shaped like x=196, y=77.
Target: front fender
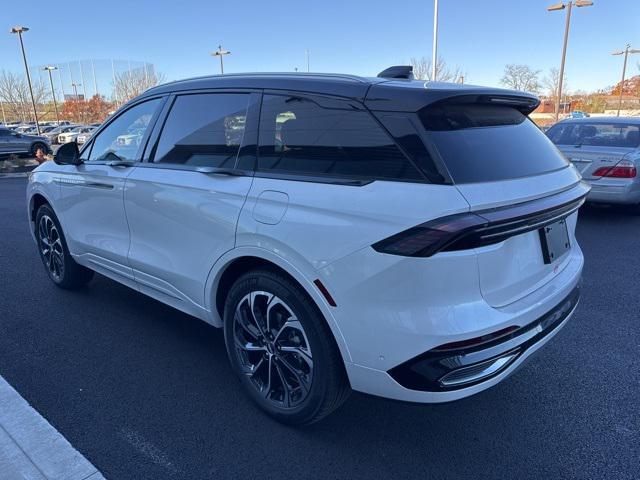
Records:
x=43, y=183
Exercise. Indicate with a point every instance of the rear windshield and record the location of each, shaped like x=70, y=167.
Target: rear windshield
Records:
x=596, y=134
x=485, y=143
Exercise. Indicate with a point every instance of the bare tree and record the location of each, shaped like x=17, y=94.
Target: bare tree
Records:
x=15, y=96
x=521, y=77
x=444, y=73
x=550, y=82
x=132, y=83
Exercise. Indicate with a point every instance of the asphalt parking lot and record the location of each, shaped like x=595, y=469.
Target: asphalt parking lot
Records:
x=145, y=392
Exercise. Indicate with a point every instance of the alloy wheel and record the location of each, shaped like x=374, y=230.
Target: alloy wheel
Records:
x=51, y=247
x=273, y=349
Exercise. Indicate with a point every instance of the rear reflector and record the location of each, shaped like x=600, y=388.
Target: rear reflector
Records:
x=623, y=169
x=474, y=342
x=325, y=292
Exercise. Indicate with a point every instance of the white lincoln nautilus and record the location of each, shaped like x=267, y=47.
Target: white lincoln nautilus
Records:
x=405, y=239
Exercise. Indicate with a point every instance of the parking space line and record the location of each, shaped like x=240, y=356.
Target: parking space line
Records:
x=30, y=448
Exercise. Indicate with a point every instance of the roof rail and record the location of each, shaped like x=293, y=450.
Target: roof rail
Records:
x=398, y=71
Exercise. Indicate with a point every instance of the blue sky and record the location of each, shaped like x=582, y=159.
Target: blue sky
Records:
x=361, y=37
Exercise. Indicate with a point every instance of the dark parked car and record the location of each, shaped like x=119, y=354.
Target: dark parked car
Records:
x=18, y=143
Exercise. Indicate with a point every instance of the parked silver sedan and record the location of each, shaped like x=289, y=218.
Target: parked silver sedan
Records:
x=606, y=151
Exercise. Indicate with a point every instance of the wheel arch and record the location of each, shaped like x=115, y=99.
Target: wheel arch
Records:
x=241, y=260
x=35, y=202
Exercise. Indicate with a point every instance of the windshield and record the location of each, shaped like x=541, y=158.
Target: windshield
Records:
x=596, y=134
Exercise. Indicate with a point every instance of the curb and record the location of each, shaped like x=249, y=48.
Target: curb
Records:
x=30, y=448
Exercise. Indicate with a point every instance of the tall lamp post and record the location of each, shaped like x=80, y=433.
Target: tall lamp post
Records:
x=75, y=90
x=20, y=30
x=77, y=99
x=50, y=68
x=626, y=53
x=220, y=53
x=434, y=52
x=568, y=6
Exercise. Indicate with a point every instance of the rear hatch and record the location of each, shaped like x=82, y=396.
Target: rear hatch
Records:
x=504, y=165
x=594, y=145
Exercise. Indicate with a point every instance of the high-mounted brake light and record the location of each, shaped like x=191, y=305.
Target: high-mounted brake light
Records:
x=622, y=169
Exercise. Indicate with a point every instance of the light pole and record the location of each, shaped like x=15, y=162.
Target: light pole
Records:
x=220, y=53
x=562, y=6
x=20, y=31
x=75, y=89
x=307, y=54
x=49, y=69
x=77, y=99
x=434, y=52
x=627, y=50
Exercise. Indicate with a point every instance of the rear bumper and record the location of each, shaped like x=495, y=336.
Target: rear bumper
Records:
x=607, y=190
x=394, y=347
x=453, y=369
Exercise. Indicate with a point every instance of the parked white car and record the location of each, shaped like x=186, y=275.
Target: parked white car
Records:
x=408, y=240
x=83, y=137
x=72, y=134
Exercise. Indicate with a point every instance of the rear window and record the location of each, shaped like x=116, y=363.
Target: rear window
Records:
x=485, y=143
x=596, y=134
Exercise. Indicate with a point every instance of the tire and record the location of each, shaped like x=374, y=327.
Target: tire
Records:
x=52, y=246
x=36, y=146
x=308, y=380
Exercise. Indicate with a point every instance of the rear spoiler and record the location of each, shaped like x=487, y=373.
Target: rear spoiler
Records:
x=402, y=96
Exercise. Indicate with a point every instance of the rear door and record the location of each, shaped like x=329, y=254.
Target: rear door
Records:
x=595, y=144
x=328, y=171
x=497, y=157
x=183, y=203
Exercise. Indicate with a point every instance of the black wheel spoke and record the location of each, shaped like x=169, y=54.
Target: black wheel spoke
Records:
x=51, y=247
x=273, y=349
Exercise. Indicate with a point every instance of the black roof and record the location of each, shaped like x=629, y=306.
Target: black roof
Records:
x=377, y=93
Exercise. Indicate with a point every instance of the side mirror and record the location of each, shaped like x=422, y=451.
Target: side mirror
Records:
x=68, y=154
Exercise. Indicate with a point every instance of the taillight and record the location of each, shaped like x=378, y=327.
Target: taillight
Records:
x=428, y=238
x=623, y=169
x=464, y=231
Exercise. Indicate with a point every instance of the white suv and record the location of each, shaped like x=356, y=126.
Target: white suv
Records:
x=405, y=239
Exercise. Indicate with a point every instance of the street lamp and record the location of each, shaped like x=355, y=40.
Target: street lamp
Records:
x=75, y=90
x=562, y=6
x=20, y=31
x=626, y=53
x=434, y=52
x=50, y=68
x=220, y=53
x=307, y=54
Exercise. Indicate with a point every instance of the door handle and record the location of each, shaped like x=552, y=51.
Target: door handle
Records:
x=221, y=171
x=120, y=163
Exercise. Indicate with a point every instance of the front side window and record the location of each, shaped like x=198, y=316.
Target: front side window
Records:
x=596, y=134
x=204, y=130
x=300, y=136
x=122, y=138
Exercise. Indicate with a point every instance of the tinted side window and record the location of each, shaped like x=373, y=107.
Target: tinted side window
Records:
x=298, y=136
x=204, y=130
x=122, y=138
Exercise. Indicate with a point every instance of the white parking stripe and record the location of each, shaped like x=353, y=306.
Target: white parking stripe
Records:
x=30, y=448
